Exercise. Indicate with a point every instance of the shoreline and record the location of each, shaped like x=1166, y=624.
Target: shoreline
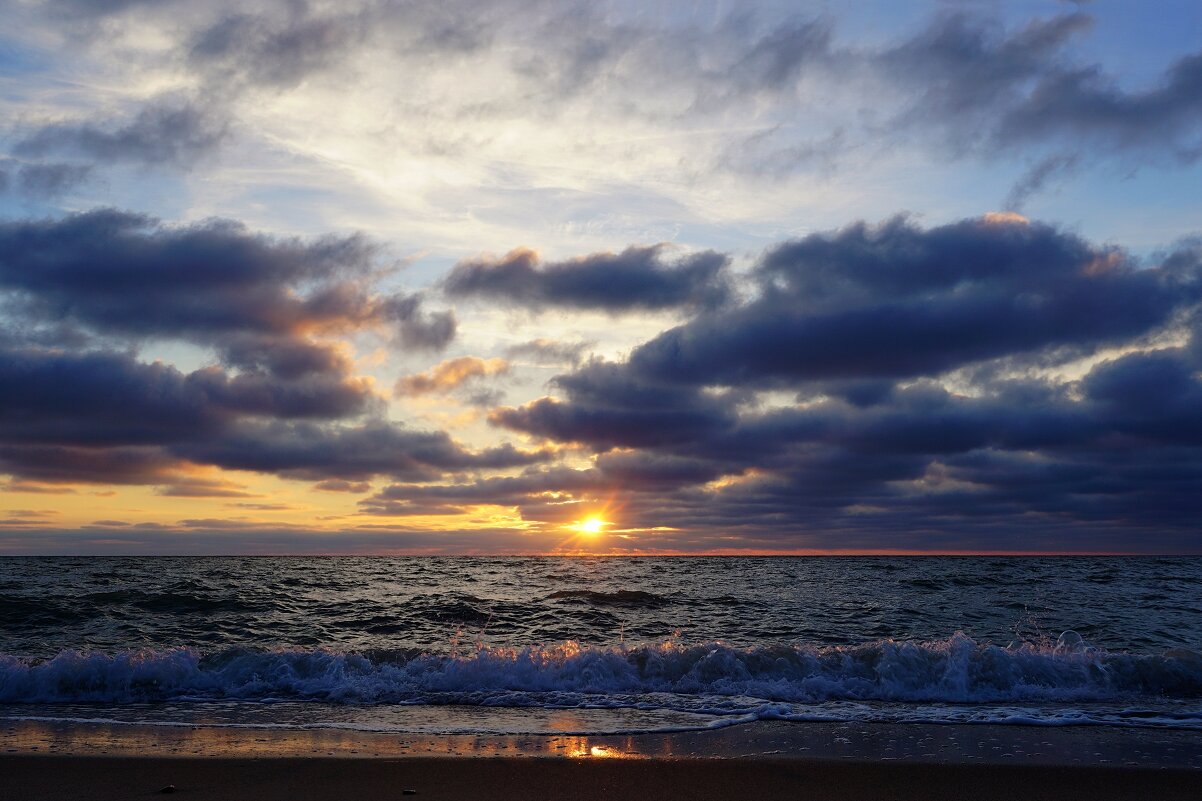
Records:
x=938, y=743
x=755, y=760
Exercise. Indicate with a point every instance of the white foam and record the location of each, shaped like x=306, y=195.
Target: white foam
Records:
x=711, y=678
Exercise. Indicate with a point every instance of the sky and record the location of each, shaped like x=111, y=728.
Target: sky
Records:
x=611, y=277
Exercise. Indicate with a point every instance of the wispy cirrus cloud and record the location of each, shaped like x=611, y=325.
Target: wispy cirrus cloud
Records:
x=752, y=96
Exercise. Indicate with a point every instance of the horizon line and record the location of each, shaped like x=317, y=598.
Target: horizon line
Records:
x=621, y=554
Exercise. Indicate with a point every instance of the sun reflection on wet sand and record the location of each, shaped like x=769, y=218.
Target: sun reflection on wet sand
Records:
x=930, y=743
x=47, y=737
x=583, y=746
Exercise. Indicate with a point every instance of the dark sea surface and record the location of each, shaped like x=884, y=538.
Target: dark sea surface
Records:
x=601, y=645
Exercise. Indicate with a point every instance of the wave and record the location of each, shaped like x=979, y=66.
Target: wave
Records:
x=616, y=598
x=17, y=611
x=952, y=670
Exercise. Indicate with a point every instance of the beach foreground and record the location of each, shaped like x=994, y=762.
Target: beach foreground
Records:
x=53, y=760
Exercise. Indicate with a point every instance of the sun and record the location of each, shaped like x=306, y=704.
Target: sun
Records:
x=591, y=525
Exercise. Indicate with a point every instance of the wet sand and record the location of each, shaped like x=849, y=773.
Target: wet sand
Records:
x=55, y=760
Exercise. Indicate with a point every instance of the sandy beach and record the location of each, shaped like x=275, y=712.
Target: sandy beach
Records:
x=52, y=760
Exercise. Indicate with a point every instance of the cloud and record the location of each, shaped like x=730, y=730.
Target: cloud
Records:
x=1086, y=104
x=196, y=487
x=417, y=328
x=41, y=181
x=614, y=408
x=546, y=352
x=168, y=131
x=198, y=537
x=262, y=302
x=1024, y=466
x=352, y=453
x=1035, y=178
x=105, y=417
x=1000, y=90
x=103, y=398
x=276, y=50
x=896, y=301
x=52, y=464
x=86, y=290
x=339, y=485
x=761, y=97
x=968, y=72
x=403, y=499
x=97, y=8
x=877, y=449
x=449, y=375
x=35, y=488
x=638, y=278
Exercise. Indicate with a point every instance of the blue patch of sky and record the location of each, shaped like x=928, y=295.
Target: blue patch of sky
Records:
x=18, y=59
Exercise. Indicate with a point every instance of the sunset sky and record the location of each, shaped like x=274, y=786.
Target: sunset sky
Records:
x=458, y=277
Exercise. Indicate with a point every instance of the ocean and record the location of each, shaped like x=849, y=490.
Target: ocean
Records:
x=576, y=645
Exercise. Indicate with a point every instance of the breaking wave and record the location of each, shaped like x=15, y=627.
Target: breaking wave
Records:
x=709, y=677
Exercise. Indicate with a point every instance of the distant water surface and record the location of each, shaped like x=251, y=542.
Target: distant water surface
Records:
x=601, y=644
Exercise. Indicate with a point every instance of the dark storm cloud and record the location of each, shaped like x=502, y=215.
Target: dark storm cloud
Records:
x=638, y=278
x=655, y=472
x=1170, y=415
x=206, y=537
x=877, y=452
x=82, y=406
x=1083, y=475
x=351, y=453
x=164, y=132
x=84, y=291
x=846, y=315
x=108, y=398
x=102, y=417
x=897, y=301
x=58, y=464
x=403, y=499
x=1122, y=456
x=256, y=299
x=613, y=408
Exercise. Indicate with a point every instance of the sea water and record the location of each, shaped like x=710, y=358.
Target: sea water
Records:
x=601, y=645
